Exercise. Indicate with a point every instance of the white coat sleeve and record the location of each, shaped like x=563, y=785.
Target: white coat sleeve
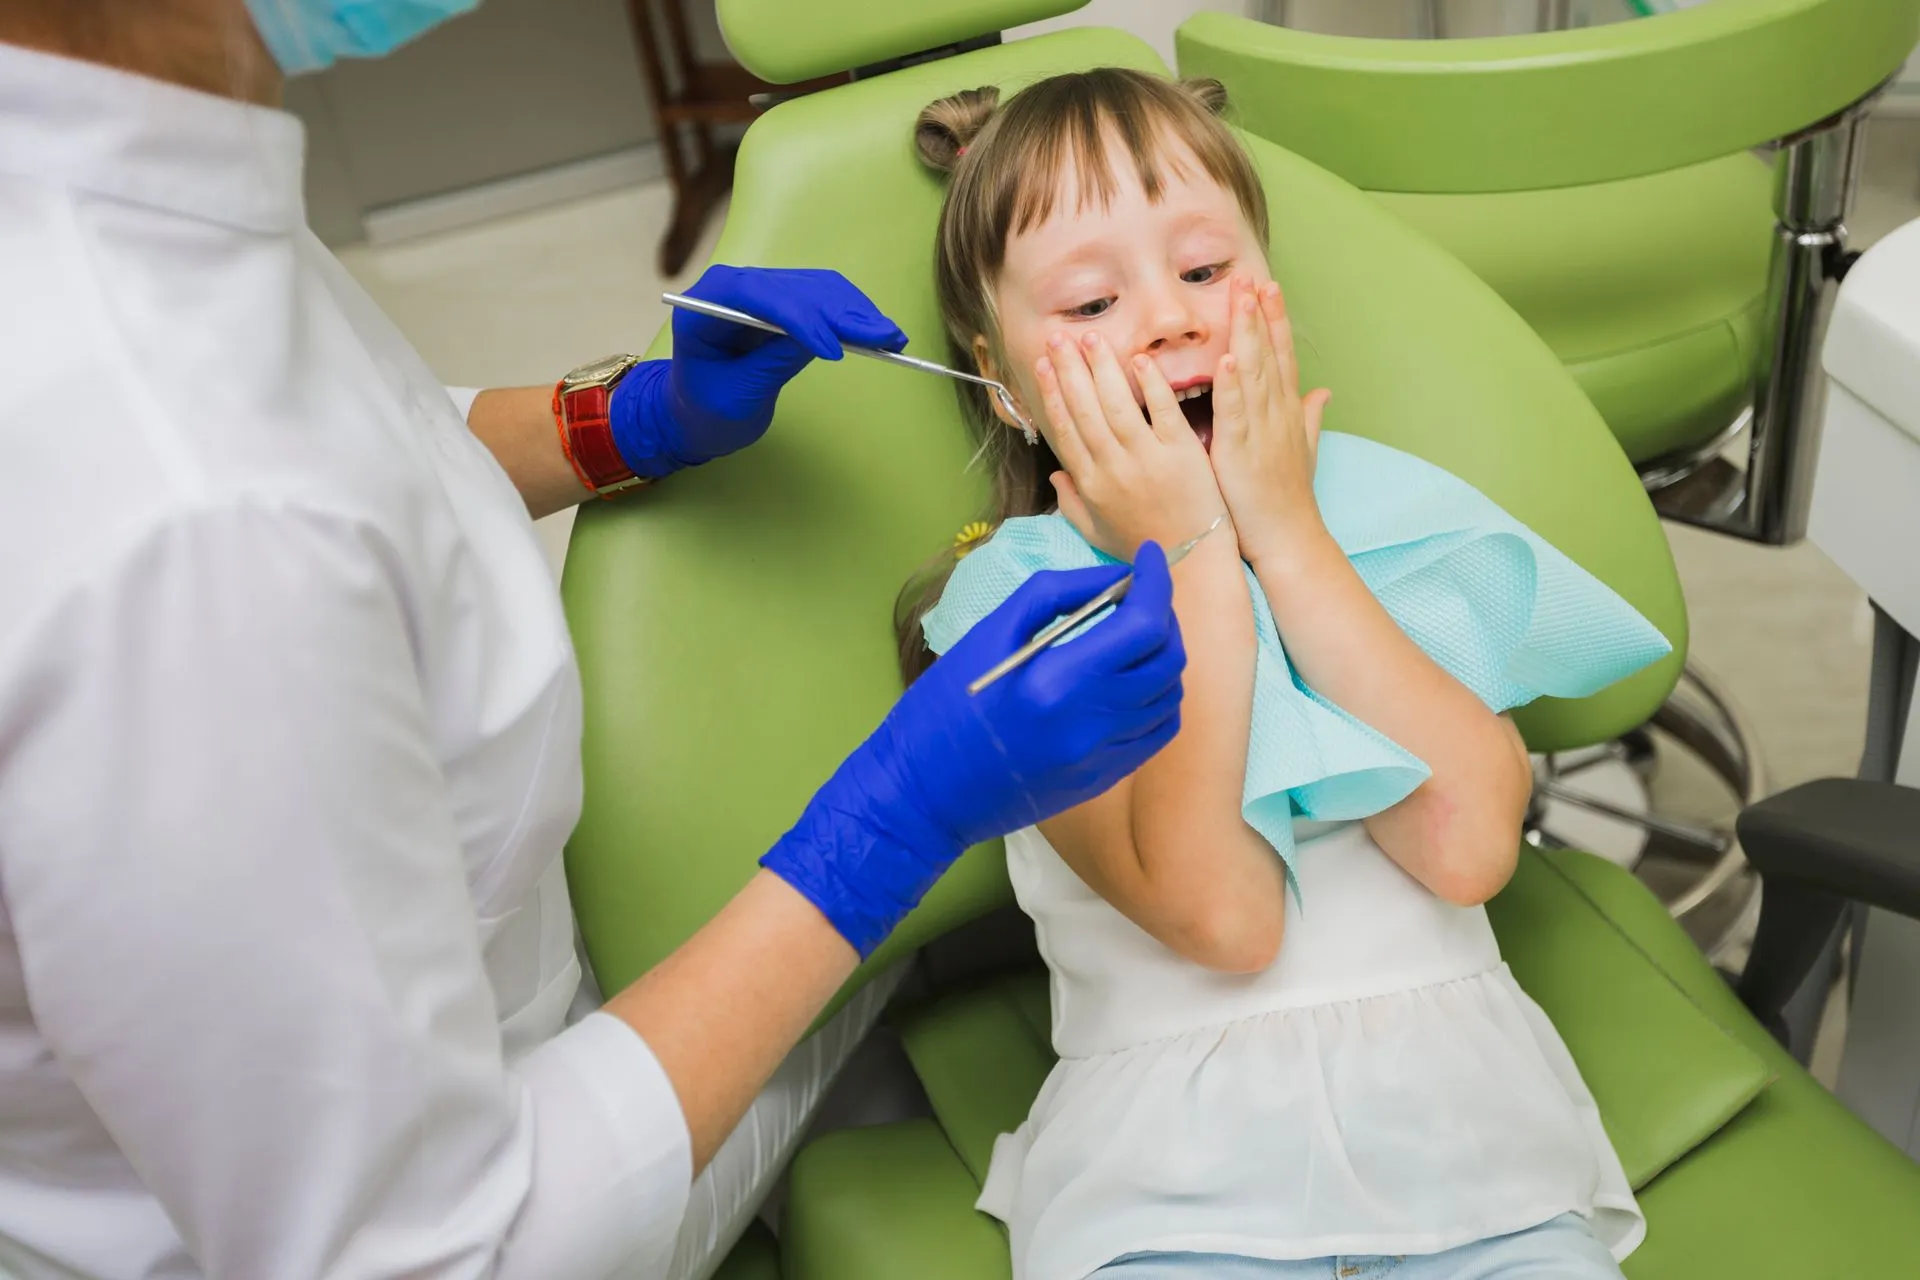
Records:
x=463, y=398
x=232, y=872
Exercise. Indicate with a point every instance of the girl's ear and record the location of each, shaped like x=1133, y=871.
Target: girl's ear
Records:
x=984, y=362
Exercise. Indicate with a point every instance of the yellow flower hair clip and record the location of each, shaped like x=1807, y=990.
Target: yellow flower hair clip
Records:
x=970, y=536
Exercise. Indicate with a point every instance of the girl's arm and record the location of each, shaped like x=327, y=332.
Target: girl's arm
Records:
x=1168, y=847
x=1459, y=832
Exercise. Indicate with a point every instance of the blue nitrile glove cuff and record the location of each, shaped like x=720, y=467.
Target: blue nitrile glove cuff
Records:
x=862, y=854
x=659, y=427
x=642, y=423
x=717, y=394
x=947, y=769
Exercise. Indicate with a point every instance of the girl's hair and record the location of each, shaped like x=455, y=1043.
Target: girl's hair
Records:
x=1007, y=162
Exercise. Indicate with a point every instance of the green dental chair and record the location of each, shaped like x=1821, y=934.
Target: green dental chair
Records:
x=734, y=632
x=1601, y=181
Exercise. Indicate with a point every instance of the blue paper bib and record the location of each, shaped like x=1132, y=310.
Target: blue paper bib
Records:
x=1494, y=604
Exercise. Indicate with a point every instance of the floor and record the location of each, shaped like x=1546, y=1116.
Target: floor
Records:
x=521, y=300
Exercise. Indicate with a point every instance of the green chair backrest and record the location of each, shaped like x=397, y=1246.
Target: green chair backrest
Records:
x=1559, y=108
x=786, y=42
x=734, y=623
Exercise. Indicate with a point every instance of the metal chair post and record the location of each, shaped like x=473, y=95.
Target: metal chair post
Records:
x=1815, y=179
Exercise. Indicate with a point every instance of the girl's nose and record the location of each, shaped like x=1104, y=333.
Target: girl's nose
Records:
x=1172, y=321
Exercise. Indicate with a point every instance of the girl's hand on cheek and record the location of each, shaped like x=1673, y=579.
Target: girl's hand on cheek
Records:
x=1265, y=435
x=1129, y=476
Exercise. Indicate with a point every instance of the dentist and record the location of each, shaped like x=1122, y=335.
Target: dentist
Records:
x=290, y=722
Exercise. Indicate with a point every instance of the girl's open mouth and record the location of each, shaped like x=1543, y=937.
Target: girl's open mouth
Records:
x=1196, y=401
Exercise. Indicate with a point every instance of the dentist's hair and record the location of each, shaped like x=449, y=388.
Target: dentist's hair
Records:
x=1008, y=163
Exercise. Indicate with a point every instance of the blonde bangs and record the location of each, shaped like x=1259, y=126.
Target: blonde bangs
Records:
x=1152, y=130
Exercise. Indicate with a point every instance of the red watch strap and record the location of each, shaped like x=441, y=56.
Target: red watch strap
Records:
x=566, y=441
x=587, y=437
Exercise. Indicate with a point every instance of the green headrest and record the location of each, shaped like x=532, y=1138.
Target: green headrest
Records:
x=787, y=41
x=1557, y=109
x=734, y=623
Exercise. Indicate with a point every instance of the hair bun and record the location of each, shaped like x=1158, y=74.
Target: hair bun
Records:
x=943, y=129
x=1208, y=92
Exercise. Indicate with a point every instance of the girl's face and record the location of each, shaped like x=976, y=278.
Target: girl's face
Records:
x=1149, y=276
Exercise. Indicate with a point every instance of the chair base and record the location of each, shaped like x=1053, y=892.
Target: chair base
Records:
x=1601, y=799
x=1676, y=477
x=1701, y=485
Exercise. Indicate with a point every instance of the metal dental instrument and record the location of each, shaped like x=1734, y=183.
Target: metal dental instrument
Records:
x=999, y=391
x=1059, y=627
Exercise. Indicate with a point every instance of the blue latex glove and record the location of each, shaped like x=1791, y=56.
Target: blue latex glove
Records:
x=716, y=394
x=946, y=769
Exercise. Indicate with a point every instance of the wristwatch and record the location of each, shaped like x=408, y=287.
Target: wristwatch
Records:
x=581, y=403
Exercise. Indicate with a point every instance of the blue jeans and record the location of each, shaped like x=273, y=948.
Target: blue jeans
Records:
x=1562, y=1249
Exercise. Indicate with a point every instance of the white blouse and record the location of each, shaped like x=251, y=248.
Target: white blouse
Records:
x=1384, y=1088
x=289, y=747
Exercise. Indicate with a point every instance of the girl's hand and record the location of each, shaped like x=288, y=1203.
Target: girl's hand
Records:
x=1129, y=476
x=1265, y=435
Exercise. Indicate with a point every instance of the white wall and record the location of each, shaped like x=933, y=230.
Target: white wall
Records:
x=1458, y=18
x=1151, y=20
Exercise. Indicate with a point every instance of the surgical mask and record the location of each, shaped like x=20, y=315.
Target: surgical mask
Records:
x=310, y=35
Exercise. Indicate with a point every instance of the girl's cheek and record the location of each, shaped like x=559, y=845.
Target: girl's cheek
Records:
x=1026, y=389
x=1022, y=346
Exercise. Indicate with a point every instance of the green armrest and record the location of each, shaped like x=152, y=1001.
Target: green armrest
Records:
x=1795, y=1185
x=1521, y=113
x=755, y=1257
x=910, y=1214
x=1592, y=978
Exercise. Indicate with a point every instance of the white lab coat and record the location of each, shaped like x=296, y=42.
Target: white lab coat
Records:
x=289, y=746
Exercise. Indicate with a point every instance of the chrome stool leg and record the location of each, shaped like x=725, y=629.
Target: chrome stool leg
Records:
x=1695, y=866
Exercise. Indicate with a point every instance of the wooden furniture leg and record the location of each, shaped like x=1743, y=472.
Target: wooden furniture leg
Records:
x=692, y=100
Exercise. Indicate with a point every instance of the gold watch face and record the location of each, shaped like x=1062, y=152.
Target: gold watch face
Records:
x=600, y=372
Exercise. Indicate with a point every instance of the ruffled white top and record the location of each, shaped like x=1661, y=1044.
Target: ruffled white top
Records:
x=1385, y=1087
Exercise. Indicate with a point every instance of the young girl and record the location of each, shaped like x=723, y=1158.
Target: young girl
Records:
x=1288, y=1046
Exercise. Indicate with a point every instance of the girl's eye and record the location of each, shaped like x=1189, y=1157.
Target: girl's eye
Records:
x=1088, y=310
x=1200, y=275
